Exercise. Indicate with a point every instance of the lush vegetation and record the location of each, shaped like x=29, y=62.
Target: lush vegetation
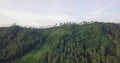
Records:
x=69, y=43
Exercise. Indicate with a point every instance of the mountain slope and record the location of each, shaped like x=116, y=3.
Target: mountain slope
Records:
x=69, y=43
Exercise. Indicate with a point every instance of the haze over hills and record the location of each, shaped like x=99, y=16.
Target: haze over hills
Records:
x=48, y=12
x=95, y=42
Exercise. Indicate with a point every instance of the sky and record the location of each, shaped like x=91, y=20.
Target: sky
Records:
x=49, y=12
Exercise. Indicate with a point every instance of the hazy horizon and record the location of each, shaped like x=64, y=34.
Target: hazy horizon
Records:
x=48, y=12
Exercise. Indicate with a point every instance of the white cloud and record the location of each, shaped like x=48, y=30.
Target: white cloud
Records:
x=23, y=18
x=98, y=12
x=28, y=19
x=46, y=12
x=104, y=8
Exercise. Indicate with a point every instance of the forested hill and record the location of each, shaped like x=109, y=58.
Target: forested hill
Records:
x=69, y=43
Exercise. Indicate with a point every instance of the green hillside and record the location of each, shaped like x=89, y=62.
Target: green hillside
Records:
x=95, y=42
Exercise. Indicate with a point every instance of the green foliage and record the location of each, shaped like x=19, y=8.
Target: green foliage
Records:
x=69, y=43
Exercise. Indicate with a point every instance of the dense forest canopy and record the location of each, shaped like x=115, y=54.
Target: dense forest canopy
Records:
x=94, y=42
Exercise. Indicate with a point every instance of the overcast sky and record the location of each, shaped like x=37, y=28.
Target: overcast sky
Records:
x=48, y=12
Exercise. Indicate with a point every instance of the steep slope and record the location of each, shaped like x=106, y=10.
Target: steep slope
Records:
x=69, y=43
